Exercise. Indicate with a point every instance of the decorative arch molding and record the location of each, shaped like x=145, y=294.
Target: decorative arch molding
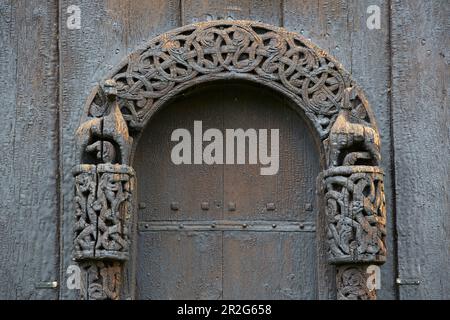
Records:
x=120, y=107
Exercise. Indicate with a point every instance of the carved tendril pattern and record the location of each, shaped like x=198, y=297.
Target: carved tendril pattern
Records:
x=172, y=62
x=103, y=211
x=356, y=216
x=214, y=49
x=351, y=283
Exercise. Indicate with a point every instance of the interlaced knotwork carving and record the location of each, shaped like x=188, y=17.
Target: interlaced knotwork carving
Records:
x=351, y=283
x=356, y=215
x=101, y=280
x=225, y=49
x=103, y=211
x=324, y=92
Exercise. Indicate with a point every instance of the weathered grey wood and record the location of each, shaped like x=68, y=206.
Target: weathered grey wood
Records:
x=332, y=117
x=420, y=73
x=267, y=11
x=29, y=252
x=269, y=265
x=275, y=264
x=179, y=265
x=292, y=189
x=161, y=183
x=339, y=27
x=109, y=30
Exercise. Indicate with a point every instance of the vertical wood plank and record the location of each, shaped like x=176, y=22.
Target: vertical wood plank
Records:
x=180, y=265
x=269, y=265
x=421, y=75
x=266, y=11
x=339, y=27
x=292, y=189
x=160, y=181
x=29, y=143
x=110, y=29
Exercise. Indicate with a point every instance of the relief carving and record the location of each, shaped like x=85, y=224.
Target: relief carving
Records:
x=351, y=140
x=101, y=281
x=351, y=283
x=227, y=49
x=352, y=182
x=353, y=190
x=356, y=215
x=103, y=211
x=106, y=137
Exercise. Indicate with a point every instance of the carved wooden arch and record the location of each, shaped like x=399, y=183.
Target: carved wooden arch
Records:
x=120, y=107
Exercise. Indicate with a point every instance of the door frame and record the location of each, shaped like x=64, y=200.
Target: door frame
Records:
x=350, y=187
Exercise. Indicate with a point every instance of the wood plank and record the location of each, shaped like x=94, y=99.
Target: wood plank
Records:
x=269, y=265
x=339, y=27
x=292, y=189
x=29, y=158
x=421, y=75
x=110, y=29
x=160, y=181
x=266, y=11
x=180, y=265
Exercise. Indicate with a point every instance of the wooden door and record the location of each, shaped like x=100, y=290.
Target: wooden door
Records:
x=225, y=231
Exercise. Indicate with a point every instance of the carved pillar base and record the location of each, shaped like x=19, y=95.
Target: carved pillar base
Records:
x=101, y=280
x=103, y=202
x=356, y=219
x=356, y=214
x=352, y=283
x=103, y=210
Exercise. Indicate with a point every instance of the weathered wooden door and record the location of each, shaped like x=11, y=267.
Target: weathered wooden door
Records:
x=225, y=231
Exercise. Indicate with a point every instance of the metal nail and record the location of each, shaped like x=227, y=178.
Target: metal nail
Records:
x=270, y=206
x=174, y=206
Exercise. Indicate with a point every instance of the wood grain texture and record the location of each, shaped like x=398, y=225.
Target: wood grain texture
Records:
x=420, y=72
x=180, y=265
x=29, y=159
x=160, y=181
x=267, y=11
x=269, y=265
x=292, y=189
x=110, y=29
x=339, y=27
x=253, y=265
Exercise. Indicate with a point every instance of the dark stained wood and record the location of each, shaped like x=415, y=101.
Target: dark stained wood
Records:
x=273, y=257
x=161, y=182
x=292, y=189
x=180, y=265
x=420, y=120
x=339, y=27
x=109, y=30
x=269, y=265
x=29, y=252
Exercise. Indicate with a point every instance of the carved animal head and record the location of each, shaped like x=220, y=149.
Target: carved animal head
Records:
x=109, y=89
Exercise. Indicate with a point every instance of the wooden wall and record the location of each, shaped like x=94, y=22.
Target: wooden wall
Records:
x=47, y=72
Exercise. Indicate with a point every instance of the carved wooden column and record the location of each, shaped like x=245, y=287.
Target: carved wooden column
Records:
x=352, y=183
x=104, y=186
x=355, y=205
